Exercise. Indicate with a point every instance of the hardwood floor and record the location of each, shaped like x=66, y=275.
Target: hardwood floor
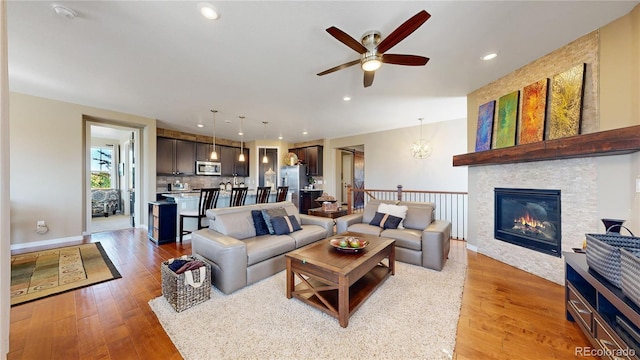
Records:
x=506, y=313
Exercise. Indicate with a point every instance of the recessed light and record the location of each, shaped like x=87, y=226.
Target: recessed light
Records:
x=346, y=98
x=489, y=56
x=64, y=11
x=200, y=125
x=207, y=10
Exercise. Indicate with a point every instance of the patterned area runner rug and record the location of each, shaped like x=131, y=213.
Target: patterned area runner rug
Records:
x=413, y=315
x=43, y=273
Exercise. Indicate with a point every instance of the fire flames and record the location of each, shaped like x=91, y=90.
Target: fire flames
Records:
x=528, y=224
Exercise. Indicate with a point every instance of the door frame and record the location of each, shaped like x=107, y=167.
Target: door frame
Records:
x=88, y=123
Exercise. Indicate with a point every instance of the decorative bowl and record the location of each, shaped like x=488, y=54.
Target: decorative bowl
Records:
x=348, y=248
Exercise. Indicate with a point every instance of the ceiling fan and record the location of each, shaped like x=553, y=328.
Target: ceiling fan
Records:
x=372, y=50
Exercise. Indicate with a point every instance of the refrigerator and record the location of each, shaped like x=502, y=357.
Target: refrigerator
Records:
x=296, y=178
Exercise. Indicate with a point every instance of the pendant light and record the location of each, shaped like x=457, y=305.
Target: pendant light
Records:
x=214, y=153
x=265, y=159
x=241, y=157
x=421, y=149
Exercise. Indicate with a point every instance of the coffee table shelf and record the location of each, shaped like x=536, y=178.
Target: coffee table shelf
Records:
x=338, y=283
x=358, y=292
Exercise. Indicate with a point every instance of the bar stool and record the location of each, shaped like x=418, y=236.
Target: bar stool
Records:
x=281, y=195
x=238, y=196
x=262, y=194
x=208, y=200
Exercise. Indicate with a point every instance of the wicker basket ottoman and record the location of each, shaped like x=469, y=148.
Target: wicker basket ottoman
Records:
x=187, y=289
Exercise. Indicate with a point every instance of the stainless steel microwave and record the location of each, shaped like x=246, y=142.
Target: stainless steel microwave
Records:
x=208, y=168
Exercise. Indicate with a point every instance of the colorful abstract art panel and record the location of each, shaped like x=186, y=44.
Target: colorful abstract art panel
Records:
x=507, y=120
x=485, y=126
x=534, y=107
x=566, y=103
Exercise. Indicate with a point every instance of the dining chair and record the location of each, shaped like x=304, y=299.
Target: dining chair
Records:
x=238, y=196
x=208, y=200
x=262, y=194
x=281, y=194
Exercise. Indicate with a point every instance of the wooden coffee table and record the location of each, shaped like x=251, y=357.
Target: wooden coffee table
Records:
x=335, y=282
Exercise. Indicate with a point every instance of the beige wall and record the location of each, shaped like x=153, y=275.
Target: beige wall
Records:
x=48, y=179
x=388, y=162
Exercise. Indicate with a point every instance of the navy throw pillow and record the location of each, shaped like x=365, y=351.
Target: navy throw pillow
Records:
x=268, y=214
x=258, y=223
x=385, y=221
x=285, y=224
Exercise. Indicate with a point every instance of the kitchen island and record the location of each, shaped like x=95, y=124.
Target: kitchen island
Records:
x=188, y=200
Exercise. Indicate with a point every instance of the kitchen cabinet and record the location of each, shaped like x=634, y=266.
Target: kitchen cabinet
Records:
x=312, y=157
x=307, y=200
x=203, y=152
x=230, y=164
x=162, y=222
x=175, y=157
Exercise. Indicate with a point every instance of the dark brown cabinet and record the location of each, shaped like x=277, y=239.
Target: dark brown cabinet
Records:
x=175, y=157
x=609, y=319
x=203, y=152
x=162, y=222
x=312, y=157
x=307, y=200
x=230, y=164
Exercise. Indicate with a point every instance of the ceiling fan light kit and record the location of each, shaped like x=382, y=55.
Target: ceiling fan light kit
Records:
x=64, y=11
x=372, y=49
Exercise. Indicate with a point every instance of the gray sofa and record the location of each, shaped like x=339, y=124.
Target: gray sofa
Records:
x=424, y=241
x=238, y=257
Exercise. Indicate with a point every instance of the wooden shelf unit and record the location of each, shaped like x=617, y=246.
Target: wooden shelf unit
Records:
x=610, y=142
x=598, y=307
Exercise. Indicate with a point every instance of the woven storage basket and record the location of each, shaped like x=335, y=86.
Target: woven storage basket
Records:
x=603, y=254
x=630, y=274
x=176, y=288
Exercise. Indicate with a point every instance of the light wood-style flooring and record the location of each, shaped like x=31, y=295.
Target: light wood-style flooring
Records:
x=506, y=313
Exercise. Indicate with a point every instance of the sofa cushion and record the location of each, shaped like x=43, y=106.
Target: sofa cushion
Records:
x=405, y=238
x=258, y=223
x=238, y=225
x=365, y=229
x=271, y=213
x=308, y=234
x=265, y=247
x=385, y=221
x=285, y=224
x=395, y=210
x=419, y=215
x=372, y=207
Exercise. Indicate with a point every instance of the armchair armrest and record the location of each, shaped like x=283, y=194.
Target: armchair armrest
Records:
x=436, y=244
x=326, y=223
x=227, y=256
x=343, y=222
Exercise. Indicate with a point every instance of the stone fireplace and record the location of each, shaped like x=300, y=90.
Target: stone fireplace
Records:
x=530, y=218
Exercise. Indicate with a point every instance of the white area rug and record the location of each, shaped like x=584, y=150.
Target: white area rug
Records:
x=413, y=315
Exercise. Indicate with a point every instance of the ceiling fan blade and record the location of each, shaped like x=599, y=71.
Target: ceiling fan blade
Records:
x=403, y=31
x=368, y=78
x=344, y=38
x=411, y=60
x=339, y=67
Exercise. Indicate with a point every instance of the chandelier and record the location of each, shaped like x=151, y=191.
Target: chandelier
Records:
x=421, y=148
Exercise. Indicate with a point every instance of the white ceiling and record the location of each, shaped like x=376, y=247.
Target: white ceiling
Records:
x=163, y=60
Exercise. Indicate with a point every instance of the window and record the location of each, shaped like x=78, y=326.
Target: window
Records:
x=101, y=165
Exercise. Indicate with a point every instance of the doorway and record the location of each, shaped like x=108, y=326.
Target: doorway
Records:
x=110, y=170
x=351, y=173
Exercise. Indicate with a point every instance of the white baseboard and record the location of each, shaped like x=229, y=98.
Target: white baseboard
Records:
x=472, y=247
x=45, y=242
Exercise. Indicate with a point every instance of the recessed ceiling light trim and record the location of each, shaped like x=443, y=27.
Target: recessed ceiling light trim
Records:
x=489, y=56
x=208, y=11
